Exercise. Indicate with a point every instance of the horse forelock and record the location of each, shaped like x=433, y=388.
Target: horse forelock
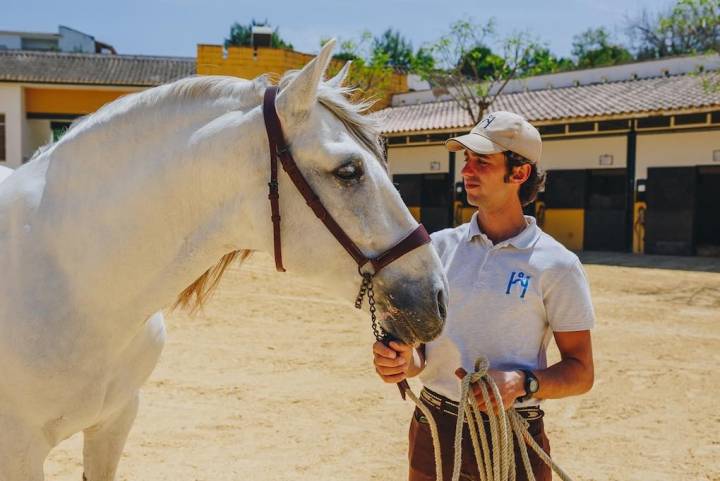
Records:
x=353, y=115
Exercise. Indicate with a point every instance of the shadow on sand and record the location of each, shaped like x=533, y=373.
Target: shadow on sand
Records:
x=700, y=264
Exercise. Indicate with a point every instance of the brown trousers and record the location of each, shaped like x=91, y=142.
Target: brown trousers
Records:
x=422, y=458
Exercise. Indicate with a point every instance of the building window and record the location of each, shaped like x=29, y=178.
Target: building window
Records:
x=653, y=122
x=58, y=129
x=2, y=138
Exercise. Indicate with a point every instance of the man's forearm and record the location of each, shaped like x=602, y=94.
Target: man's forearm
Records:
x=568, y=377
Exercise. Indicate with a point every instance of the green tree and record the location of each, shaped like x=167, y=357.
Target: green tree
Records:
x=481, y=62
x=469, y=71
x=423, y=60
x=371, y=74
x=540, y=60
x=241, y=35
x=689, y=27
x=594, y=48
x=396, y=48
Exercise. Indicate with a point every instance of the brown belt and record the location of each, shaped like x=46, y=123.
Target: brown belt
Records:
x=447, y=406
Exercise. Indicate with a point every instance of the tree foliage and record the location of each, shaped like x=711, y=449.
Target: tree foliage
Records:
x=371, y=74
x=241, y=35
x=540, y=60
x=397, y=50
x=689, y=27
x=594, y=48
x=470, y=72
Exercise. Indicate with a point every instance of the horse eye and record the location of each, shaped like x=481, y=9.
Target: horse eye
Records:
x=348, y=171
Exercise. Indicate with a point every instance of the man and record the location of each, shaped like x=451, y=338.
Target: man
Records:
x=512, y=288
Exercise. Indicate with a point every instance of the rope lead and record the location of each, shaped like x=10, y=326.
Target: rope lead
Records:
x=503, y=424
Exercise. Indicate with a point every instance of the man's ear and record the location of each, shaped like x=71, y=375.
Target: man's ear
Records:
x=520, y=174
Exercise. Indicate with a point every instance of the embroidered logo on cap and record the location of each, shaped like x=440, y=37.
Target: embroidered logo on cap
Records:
x=488, y=120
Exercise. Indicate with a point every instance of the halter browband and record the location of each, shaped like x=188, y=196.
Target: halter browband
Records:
x=279, y=148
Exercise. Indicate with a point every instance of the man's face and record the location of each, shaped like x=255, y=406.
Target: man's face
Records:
x=484, y=178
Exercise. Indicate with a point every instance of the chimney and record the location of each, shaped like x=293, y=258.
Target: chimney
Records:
x=261, y=36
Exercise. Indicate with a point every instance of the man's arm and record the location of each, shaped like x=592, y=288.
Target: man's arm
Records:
x=575, y=372
x=572, y=375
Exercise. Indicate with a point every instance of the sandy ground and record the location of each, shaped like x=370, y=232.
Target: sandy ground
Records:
x=274, y=381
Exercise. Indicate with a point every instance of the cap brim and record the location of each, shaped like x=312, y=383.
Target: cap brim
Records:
x=475, y=142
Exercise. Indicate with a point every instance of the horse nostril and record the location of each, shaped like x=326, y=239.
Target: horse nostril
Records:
x=442, y=305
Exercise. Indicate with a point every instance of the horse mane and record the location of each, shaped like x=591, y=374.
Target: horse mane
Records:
x=193, y=297
x=363, y=128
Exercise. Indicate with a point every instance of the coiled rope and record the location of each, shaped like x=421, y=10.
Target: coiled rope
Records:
x=500, y=466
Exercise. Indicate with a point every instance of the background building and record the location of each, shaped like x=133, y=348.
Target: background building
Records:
x=632, y=154
x=632, y=151
x=66, y=40
x=48, y=80
x=41, y=93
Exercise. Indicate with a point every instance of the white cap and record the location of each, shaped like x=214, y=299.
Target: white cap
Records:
x=498, y=132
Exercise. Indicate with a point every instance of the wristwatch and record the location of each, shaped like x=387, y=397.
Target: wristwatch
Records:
x=531, y=385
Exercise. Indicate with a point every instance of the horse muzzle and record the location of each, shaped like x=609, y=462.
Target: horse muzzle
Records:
x=414, y=312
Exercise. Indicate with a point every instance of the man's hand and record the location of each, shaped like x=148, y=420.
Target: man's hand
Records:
x=511, y=385
x=392, y=363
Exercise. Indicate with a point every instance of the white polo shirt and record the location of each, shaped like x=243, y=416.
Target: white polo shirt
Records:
x=505, y=301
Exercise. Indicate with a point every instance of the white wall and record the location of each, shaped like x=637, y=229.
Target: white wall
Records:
x=418, y=160
x=675, y=149
x=12, y=106
x=584, y=153
x=557, y=154
x=38, y=134
x=10, y=42
x=74, y=41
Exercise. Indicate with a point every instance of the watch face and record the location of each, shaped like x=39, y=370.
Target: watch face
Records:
x=533, y=385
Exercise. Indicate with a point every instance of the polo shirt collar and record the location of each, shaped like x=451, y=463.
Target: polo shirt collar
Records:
x=524, y=240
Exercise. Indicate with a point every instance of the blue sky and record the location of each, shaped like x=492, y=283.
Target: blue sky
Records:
x=175, y=27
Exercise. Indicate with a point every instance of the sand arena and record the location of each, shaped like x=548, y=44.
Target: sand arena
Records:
x=274, y=381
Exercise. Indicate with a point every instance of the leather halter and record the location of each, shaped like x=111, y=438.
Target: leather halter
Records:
x=280, y=149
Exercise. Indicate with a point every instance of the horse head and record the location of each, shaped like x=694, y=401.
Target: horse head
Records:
x=339, y=152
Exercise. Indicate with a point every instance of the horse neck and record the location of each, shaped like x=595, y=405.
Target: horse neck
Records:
x=134, y=210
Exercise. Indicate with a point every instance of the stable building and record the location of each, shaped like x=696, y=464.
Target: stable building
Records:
x=41, y=93
x=632, y=154
x=49, y=80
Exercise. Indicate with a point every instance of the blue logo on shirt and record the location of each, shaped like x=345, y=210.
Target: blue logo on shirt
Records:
x=518, y=278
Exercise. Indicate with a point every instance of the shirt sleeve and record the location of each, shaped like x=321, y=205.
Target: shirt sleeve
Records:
x=567, y=302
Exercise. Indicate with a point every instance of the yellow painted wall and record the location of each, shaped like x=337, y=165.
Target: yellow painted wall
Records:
x=248, y=63
x=462, y=213
x=68, y=101
x=566, y=226
x=415, y=212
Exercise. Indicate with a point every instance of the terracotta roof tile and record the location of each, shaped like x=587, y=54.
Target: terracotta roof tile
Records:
x=586, y=101
x=92, y=69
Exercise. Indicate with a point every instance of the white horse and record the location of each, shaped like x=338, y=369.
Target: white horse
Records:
x=136, y=204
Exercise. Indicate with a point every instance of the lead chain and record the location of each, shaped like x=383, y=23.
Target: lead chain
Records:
x=366, y=288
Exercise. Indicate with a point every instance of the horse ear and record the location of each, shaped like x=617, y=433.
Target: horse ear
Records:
x=340, y=77
x=300, y=94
